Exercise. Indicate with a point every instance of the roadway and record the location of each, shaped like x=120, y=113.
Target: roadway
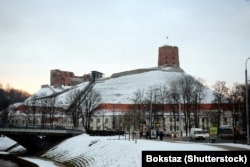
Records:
x=208, y=140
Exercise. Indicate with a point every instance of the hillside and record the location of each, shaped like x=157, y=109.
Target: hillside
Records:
x=120, y=87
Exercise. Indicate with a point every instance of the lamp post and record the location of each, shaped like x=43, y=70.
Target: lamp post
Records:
x=180, y=118
x=247, y=112
x=150, y=116
x=152, y=130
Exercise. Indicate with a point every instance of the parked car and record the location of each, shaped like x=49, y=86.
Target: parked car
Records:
x=197, y=134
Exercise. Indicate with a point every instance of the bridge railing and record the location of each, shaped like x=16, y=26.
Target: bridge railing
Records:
x=38, y=127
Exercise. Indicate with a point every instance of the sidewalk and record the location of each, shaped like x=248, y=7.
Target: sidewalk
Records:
x=219, y=145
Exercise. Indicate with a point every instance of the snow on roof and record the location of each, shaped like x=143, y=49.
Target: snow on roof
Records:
x=48, y=91
x=60, y=92
x=63, y=100
x=15, y=105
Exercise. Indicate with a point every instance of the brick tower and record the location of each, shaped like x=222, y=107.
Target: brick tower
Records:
x=168, y=55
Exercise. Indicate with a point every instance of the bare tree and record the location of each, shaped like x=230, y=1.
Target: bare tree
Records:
x=173, y=101
x=32, y=110
x=190, y=92
x=139, y=107
x=43, y=110
x=52, y=111
x=220, y=99
x=162, y=99
x=90, y=103
x=187, y=94
x=235, y=100
x=150, y=100
x=4, y=103
x=199, y=95
x=129, y=120
x=75, y=111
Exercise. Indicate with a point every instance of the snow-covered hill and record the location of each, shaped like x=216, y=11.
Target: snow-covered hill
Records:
x=120, y=88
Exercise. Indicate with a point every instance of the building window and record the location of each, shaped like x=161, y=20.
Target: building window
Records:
x=211, y=120
x=98, y=120
x=225, y=120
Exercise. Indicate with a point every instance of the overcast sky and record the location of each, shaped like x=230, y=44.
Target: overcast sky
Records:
x=111, y=36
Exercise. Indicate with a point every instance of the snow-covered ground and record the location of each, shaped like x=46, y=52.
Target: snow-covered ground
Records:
x=6, y=142
x=113, y=151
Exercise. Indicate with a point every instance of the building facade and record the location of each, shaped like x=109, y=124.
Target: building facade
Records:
x=120, y=117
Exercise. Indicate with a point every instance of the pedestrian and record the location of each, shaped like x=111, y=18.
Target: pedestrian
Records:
x=147, y=134
x=161, y=135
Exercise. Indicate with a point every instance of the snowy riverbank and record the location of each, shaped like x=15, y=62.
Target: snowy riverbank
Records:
x=111, y=151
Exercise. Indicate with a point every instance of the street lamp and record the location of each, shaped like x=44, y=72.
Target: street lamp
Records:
x=152, y=131
x=150, y=114
x=180, y=118
x=246, y=89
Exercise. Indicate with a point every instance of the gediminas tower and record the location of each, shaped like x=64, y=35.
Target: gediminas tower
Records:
x=169, y=56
